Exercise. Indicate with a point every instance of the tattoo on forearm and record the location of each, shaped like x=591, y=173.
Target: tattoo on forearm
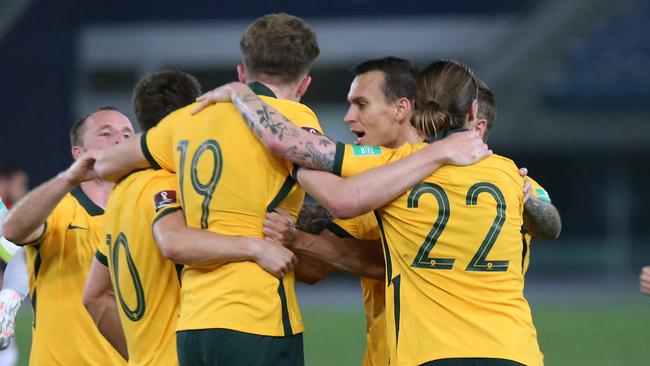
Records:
x=322, y=161
x=541, y=219
x=266, y=123
x=313, y=218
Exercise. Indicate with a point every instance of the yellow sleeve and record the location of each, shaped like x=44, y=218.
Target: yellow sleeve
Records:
x=166, y=198
x=354, y=159
x=156, y=144
x=538, y=191
x=344, y=228
x=362, y=227
x=58, y=220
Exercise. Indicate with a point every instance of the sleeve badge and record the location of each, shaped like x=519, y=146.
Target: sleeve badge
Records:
x=163, y=199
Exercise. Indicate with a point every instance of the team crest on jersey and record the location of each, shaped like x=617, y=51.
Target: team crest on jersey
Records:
x=313, y=131
x=163, y=199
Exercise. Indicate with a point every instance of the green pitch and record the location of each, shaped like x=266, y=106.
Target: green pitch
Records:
x=573, y=333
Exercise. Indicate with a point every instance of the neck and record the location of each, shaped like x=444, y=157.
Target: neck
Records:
x=98, y=191
x=406, y=135
x=289, y=92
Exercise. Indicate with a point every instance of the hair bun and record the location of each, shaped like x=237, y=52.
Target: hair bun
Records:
x=434, y=104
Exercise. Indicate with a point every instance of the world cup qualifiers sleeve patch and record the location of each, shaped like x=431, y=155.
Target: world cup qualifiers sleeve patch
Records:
x=163, y=199
x=313, y=131
x=361, y=150
x=542, y=195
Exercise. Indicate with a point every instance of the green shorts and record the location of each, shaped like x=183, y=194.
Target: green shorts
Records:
x=472, y=362
x=225, y=347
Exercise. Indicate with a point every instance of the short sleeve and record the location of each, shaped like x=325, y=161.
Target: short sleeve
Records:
x=354, y=159
x=538, y=191
x=156, y=144
x=57, y=220
x=363, y=227
x=102, y=251
x=165, y=199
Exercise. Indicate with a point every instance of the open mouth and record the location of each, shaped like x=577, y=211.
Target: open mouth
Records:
x=360, y=135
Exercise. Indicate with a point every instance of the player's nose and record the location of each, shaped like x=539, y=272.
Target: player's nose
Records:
x=350, y=116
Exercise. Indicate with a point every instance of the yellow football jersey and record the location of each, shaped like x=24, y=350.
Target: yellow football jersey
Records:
x=374, y=294
x=227, y=182
x=58, y=264
x=146, y=285
x=540, y=193
x=453, y=253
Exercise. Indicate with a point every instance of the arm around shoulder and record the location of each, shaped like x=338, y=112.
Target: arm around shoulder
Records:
x=117, y=161
x=542, y=219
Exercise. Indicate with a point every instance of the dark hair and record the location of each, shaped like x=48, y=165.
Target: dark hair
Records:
x=9, y=169
x=278, y=46
x=77, y=129
x=487, y=107
x=161, y=93
x=445, y=92
x=399, y=76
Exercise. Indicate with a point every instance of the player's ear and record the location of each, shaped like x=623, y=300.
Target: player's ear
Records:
x=304, y=85
x=481, y=127
x=402, y=109
x=76, y=152
x=241, y=73
x=472, y=113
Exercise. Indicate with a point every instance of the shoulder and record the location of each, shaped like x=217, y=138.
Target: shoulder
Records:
x=298, y=113
x=179, y=115
x=500, y=162
x=144, y=183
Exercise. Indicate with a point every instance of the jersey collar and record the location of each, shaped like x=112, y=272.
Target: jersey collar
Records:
x=261, y=89
x=91, y=208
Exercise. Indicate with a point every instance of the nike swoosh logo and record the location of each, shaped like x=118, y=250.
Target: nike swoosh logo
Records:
x=72, y=227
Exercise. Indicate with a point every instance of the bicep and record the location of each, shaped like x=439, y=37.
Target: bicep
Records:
x=317, y=183
x=168, y=221
x=98, y=282
x=34, y=238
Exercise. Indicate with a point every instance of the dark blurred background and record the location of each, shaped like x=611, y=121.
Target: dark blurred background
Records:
x=571, y=80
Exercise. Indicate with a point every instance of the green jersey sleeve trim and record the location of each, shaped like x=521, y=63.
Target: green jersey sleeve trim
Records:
x=339, y=231
x=40, y=238
x=164, y=213
x=338, y=158
x=101, y=258
x=147, y=154
x=282, y=193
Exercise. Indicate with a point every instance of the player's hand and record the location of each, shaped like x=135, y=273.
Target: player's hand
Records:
x=527, y=189
x=82, y=169
x=273, y=257
x=645, y=280
x=463, y=148
x=221, y=94
x=279, y=227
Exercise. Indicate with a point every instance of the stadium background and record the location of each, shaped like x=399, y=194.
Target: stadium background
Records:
x=571, y=79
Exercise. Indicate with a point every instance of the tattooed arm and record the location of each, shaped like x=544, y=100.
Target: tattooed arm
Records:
x=320, y=251
x=541, y=219
x=280, y=136
x=354, y=195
